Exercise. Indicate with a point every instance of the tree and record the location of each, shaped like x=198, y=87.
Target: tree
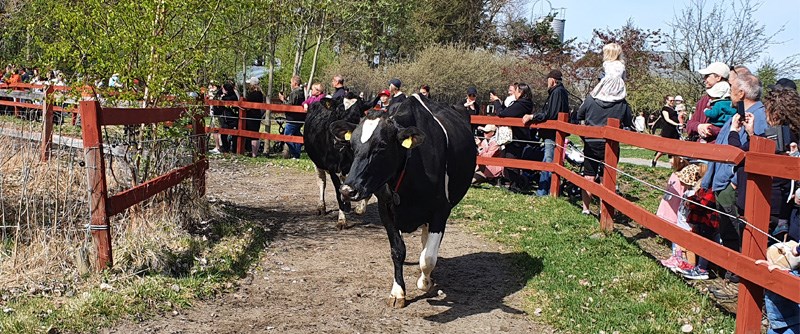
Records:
x=725, y=31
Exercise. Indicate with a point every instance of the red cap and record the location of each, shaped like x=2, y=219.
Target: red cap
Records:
x=385, y=92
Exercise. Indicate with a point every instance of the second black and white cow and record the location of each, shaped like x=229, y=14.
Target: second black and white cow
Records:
x=418, y=160
x=329, y=155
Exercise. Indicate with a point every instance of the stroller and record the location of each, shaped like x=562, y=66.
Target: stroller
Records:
x=277, y=146
x=573, y=156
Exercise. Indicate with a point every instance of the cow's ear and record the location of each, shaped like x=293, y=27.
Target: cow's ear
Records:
x=328, y=103
x=342, y=130
x=410, y=137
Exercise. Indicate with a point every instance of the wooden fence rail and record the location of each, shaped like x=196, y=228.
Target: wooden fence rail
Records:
x=104, y=206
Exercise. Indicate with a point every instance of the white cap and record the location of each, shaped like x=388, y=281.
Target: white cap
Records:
x=679, y=98
x=488, y=128
x=252, y=81
x=717, y=68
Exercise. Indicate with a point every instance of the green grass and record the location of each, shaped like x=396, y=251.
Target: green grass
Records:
x=588, y=282
x=231, y=248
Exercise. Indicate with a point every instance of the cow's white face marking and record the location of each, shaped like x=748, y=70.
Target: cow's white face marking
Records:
x=349, y=103
x=427, y=260
x=397, y=291
x=369, y=127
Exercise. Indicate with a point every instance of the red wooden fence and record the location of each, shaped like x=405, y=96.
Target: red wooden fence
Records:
x=102, y=206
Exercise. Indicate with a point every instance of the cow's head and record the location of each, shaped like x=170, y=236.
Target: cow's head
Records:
x=380, y=146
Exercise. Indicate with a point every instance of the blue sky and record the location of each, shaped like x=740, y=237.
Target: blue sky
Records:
x=584, y=15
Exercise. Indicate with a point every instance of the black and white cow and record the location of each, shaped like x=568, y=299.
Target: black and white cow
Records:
x=418, y=159
x=328, y=154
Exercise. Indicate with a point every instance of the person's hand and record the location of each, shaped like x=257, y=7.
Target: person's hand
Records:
x=793, y=148
x=477, y=141
x=526, y=118
x=281, y=96
x=749, y=123
x=736, y=123
x=493, y=97
x=704, y=130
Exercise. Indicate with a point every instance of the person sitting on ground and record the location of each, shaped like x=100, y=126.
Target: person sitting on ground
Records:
x=488, y=147
x=720, y=109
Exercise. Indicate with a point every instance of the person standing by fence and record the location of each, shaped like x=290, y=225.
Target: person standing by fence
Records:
x=669, y=124
x=230, y=117
x=720, y=176
x=596, y=113
x=294, y=120
x=557, y=101
x=254, y=116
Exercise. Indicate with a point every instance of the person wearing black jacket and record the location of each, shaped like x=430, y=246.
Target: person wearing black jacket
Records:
x=520, y=135
x=254, y=116
x=471, y=106
x=595, y=112
x=397, y=95
x=338, y=87
x=557, y=101
x=294, y=120
x=230, y=117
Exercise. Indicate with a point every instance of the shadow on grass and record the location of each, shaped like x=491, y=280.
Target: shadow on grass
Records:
x=498, y=275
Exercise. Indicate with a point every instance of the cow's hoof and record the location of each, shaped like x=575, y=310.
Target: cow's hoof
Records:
x=424, y=284
x=320, y=210
x=361, y=207
x=341, y=224
x=395, y=302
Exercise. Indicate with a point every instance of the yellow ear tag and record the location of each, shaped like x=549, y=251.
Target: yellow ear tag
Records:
x=406, y=143
x=348, y=135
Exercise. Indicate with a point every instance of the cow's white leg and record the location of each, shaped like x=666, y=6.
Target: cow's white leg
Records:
x=398, y=295
x=321, y=184
x=361, y=206
x=427, y=259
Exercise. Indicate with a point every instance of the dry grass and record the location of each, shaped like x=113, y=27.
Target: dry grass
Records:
x=45, y=209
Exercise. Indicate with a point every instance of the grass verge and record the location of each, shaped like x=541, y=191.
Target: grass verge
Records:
x=588, y=282
x=206, y=264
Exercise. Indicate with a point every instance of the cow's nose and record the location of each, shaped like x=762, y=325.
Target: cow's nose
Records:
x=347, y=191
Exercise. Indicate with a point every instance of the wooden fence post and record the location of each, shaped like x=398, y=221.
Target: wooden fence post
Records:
x=96, y=170
x=558, y=156
x=47, y=124
x=239, y=129
x=199, y=131
x=609, y=178
x=754, y=243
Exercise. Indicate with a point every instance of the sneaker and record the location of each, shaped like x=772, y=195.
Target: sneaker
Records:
x=779, y=230
x=731, y=277
x=214, y=151
x=683, y=267
x=671, y=263
x=586, y=212
x=696, y=274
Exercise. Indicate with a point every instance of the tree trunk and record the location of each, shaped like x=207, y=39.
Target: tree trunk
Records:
x=316, y=56
x=301, y=49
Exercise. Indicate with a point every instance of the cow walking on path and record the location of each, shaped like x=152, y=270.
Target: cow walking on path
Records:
x=418, y=159
x=329, y=155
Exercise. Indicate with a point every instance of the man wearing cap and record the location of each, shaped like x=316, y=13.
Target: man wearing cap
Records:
x=294, y=120
x=338, y=85
x=785, y=83
x=698, y=126
x=397, y=96
x=382, y=101
x=557, y=101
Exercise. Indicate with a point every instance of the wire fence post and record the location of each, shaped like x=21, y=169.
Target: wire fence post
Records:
x=96, y=170
x=239, y=129
x=609, y=178
x=47, y=124
x=558, y=156
x=199, y=131
x=754, y=244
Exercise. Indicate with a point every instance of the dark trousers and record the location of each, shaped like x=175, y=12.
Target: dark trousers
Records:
x=228, y=141
x=730, y=229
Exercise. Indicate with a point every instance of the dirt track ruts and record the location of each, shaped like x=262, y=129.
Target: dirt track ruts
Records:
x=312, y=278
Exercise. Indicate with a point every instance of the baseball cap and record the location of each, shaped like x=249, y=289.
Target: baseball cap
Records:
x=785, y=83
x=488, y=128
x=252, y=81
x=395, y=82
x=472, y=91
x=555, y=74
x=718, y=68
x=679, y=98
x=385, y=92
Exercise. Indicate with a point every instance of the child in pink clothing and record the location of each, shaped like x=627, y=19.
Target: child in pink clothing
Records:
x=680, y=185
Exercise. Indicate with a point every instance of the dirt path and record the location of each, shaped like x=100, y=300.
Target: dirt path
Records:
x=314, y=279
